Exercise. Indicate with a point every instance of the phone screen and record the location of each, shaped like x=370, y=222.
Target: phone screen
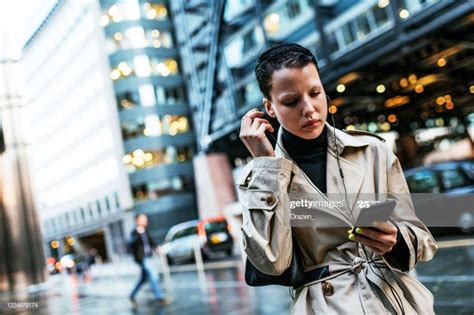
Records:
x=377, y=212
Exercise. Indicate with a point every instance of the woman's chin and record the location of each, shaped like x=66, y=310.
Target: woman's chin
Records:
x=312, y=133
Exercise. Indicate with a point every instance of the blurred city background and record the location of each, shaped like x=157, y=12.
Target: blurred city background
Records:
x=111, y=108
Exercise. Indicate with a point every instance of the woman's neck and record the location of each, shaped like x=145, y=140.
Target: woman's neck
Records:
x=298, y=146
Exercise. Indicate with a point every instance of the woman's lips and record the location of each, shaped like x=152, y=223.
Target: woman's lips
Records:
x=312, y=124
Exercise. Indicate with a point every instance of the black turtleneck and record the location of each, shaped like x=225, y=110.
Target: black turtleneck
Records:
x=310, y=155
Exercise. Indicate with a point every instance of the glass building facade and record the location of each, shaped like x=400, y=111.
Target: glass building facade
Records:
x=82, y=190
x=153, y=109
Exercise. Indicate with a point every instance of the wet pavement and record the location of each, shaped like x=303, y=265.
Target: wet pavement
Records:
x=450, y=276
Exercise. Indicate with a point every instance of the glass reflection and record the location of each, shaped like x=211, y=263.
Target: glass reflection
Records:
x=140, y=159
x=153, y=125
x=150, y=95
x=162, y=187
x=144, y=66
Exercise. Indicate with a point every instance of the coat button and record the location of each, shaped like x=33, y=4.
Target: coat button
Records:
x=328, y=288
x=270, y=200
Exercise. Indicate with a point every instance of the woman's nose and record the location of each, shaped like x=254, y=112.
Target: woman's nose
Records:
x=308, y=107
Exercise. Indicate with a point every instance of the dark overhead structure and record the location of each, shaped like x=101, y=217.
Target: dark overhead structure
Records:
x=399, y=65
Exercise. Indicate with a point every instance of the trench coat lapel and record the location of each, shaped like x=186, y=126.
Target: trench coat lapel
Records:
x=353, y=174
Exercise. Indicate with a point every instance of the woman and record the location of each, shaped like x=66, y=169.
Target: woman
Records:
x=365, y=272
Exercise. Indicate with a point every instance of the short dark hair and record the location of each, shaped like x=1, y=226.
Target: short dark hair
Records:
x=137, y=215
x=280, y=57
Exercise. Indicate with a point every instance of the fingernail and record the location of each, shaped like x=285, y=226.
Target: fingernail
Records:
x=359, y=230
x=375, y=224
x=352, y=237
x=350, y=231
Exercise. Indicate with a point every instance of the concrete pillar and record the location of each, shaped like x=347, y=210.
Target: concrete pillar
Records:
x=214, y=184
x=21, y=250
x=108, y=243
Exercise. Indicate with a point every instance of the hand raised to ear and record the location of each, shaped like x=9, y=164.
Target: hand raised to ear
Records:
x=252, y=134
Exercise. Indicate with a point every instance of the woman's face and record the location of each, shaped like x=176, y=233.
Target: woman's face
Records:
x=298, y=101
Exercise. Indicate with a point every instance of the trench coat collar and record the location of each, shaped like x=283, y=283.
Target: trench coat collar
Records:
x=335, y=144
x=354, y=174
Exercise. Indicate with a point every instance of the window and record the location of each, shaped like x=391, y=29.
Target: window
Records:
x=147, y=95
x=121, y=11
x=153, y=125
x=169, y=95
x=99, y=209
x=91, y=211
x=380, y=15
x=107, y=204
x=424, y=182
x=239, y=48
x=75, y=216
x=363, y=27
x=117, y=200
x=128, y=99
x=132, y=129
x=454, y=178
x=162, y=187
x=347, y=33
x=174, y=124
x=150, y=95
x=67, y=219
x=154, y=11
x=140, y=159
x=185, y=232
x=233, y=8
x=248, y=41
x=293, y=8
x=252, y=93
x=159, y=39
x=332, y=42
x=138, y=37
x=143, y=66
x=134, y=38
x=215, y=227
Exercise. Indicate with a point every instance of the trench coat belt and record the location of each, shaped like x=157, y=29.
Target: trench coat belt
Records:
x=327, y=271
x=365, y=274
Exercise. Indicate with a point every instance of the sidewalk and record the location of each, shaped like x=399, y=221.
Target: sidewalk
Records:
x=127, y=267
x=222, y=290
x=225, y=293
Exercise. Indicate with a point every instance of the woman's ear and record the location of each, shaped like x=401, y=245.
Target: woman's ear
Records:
x=269, y=107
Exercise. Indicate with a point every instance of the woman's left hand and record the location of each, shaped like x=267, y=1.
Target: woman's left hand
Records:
x=381, y=238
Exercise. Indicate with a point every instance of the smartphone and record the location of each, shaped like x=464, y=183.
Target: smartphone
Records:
x=380, y=212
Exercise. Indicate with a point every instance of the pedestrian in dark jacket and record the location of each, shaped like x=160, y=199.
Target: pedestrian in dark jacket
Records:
x=141, y=245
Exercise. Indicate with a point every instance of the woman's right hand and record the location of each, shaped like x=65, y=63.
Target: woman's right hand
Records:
x=252, y=134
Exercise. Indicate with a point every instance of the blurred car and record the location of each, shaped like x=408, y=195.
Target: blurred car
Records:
x=212, y=235
x=442, y=187
x=53, y=265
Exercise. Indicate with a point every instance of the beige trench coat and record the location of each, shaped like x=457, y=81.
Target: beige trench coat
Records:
x=354, y=286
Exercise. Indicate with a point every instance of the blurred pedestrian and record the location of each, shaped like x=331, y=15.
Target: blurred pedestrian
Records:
x=89, y=261
x=141, y=244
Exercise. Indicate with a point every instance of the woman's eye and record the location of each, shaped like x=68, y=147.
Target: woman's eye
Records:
x=291, y=103
x=315, y=93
